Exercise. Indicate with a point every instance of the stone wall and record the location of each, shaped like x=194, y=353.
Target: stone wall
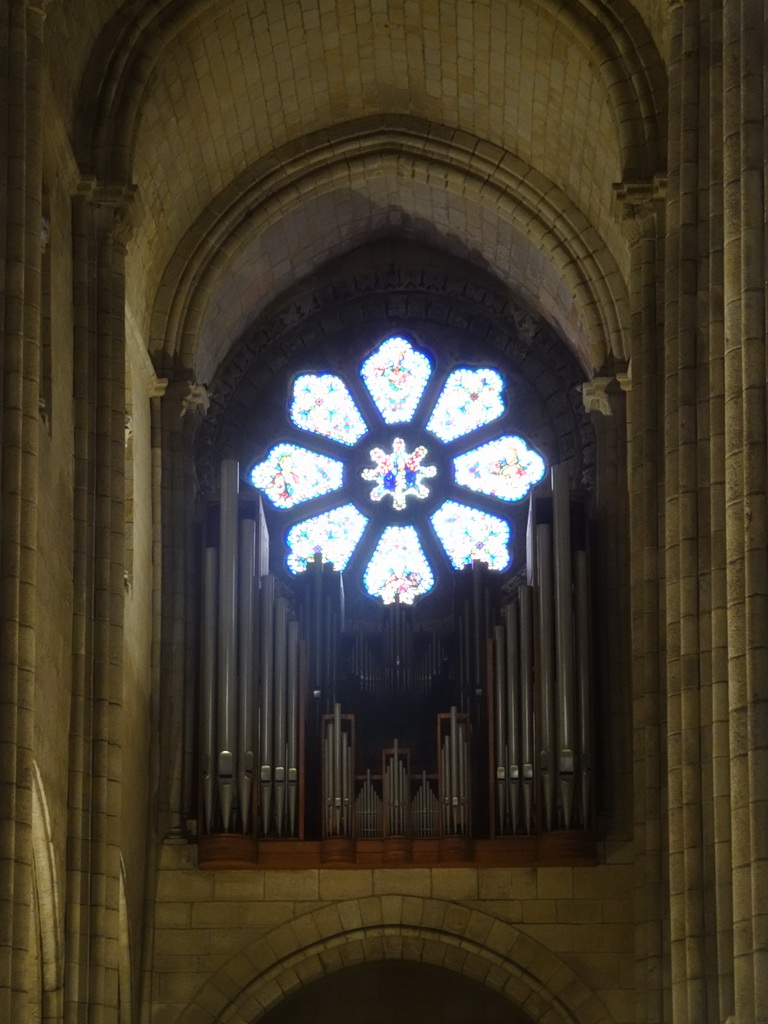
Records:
x=534, y=934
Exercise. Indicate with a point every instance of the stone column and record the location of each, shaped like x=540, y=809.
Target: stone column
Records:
x=745, y=79
x=179, y=645
x=21, y=30
x=101, y=229
x=643, y=226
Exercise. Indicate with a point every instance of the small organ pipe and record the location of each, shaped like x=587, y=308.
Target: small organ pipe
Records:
x=561, y=503
x=266, y=670
x=208, y=681
x=525, y=598
x=246, y=633
x=583, y=634
x=280, y=703
x=293, y=723
x=227, y=663
x=547, y=682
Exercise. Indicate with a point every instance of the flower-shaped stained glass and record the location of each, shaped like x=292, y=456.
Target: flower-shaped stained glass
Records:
x=323, y=405
x=395, y=378
x=396, y=375
x=332, y=534
x=504, y=468
x=466, y=533
x=398, y=570
x=291, y=474
x=469, y=399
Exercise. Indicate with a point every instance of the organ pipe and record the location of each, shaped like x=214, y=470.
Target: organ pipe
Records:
x=500, y=733
x=280, y=704
x=208, y=681
x=583, y=673
x=525, y=599
x=544, y=576
x=245, y=661
x=266, y=682
x=227, y=648
x=561, y=514
x=512, y=679
x=293, y=723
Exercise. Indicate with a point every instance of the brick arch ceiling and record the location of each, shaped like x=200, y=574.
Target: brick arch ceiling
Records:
x=184, y=113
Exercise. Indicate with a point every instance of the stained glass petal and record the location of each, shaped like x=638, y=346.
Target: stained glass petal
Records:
x=505, y=468
x=467, y=534
x=396, y=375
x=398, y=569
x=469, y=399
x=332, y=534
x=291, y=474
x=322, y=403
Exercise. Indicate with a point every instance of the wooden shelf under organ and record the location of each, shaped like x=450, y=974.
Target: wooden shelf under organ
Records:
x=383, y=737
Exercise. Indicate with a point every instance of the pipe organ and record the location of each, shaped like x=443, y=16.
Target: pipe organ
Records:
x=468, y=720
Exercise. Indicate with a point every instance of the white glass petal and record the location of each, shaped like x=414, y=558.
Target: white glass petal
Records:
x=505, y=468
x=332, y=534
x=398, y=569
x=399, y=473
x=396, y=375
x=322, y=404
x=469, y=399
x=467, y=534
x=291, y=474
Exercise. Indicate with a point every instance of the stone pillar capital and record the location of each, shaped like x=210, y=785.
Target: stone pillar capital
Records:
x=118, y=206
x=641, y=203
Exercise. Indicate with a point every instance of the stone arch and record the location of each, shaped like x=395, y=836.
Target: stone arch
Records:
x=47, y=904
x=433, y=931
x=403, y=147
x=132, y=44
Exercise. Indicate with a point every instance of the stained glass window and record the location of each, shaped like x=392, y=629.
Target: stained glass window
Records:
x=322, y=404
x=398, y=569
x=466, y=533
x=291, y=474
x=396, y=375
x=469, y=399
x=399, y=473
x=505, y=468
x=332, y=534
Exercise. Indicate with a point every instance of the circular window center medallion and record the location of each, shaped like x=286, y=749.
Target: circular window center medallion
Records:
x=399, y=473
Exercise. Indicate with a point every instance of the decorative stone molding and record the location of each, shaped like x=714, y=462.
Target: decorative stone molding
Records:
x=196, y=401
x=157, y=386
x=594, y=394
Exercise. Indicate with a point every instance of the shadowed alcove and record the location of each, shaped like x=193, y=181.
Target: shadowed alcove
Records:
x=396, y=990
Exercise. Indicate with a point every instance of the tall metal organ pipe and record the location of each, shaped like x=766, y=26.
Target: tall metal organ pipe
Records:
x=583, y=673
x=227, y=646
x=246, y=638
x=280, y=708
x=561, y=512
x=293, y=723
x=500, y=732
x=266, y=667
x=544, y=579
x=208, y=682
x=525, y=598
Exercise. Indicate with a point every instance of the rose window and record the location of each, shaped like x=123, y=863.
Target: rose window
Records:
x=400, y=479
